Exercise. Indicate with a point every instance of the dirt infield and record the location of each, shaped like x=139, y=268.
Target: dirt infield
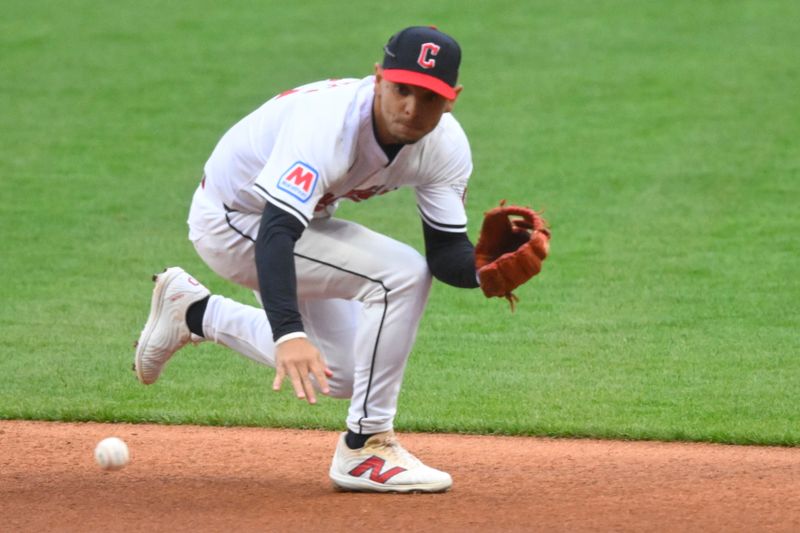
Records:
x=185, y=478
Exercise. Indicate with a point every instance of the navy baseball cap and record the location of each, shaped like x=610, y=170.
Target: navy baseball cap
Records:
x=425, y=57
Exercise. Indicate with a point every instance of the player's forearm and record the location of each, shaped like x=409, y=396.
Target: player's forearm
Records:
x=451, y=257
x=277, y=281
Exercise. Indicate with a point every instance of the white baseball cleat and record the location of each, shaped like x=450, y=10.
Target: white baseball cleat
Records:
x=383, y=465
x=166, y=331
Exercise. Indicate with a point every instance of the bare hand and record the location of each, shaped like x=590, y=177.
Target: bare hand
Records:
x=299, y=360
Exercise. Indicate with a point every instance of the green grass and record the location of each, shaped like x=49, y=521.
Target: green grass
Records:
x=659, y=137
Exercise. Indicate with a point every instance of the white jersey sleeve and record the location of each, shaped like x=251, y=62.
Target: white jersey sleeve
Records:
x=309, y=153
x=441, y=199
x=292, y=178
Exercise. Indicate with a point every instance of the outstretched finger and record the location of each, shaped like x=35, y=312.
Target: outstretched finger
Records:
x=321, y=373
x=297, y=382
x=279, y=375
x=308, y=385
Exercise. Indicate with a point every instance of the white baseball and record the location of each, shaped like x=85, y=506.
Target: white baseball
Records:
x=111, y=453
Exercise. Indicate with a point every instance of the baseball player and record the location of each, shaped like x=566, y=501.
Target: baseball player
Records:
x=340, y=304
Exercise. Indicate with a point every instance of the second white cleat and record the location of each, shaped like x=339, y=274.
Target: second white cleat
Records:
x=383, y=465
x=166, y=331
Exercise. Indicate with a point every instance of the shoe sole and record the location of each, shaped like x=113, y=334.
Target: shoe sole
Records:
x=351, y=484
x=156, y=304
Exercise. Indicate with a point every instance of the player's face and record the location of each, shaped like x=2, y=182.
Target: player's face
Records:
x=406, y=113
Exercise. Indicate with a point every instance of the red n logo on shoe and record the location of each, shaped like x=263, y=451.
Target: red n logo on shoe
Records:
x=374, y=465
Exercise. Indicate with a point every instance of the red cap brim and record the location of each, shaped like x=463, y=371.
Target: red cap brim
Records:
x=420, y=80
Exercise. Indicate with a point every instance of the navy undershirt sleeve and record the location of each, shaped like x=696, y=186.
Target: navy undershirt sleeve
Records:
x=275, y=267
x=451, y=257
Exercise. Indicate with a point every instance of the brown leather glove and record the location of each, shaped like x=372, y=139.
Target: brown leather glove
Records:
x=511, y=246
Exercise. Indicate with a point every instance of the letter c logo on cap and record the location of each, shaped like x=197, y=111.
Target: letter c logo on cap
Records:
x=426, y=54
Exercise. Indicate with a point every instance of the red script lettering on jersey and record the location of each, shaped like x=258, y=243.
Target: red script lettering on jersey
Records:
x=329, y=84
x=299, y=181
x=356, y=195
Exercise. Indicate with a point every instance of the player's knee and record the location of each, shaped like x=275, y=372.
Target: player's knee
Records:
x=406, y=274
x=417, y=273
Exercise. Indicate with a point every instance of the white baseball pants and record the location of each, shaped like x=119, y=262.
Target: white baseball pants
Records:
x=361, y=295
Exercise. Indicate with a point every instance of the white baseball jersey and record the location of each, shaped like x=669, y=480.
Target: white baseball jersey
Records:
x=309, y=147
x=361, y=294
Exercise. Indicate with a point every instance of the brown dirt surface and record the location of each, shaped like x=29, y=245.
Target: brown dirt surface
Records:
x=188, y=478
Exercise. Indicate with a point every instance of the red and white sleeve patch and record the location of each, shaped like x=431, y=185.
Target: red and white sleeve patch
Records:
x=299, y=181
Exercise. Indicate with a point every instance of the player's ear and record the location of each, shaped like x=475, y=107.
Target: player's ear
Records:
x=378, y=79
x=450, y=104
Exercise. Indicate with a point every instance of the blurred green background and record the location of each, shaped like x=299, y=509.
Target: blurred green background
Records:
x=660, y=139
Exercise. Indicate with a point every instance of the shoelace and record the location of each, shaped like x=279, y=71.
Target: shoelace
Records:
x=393, y=446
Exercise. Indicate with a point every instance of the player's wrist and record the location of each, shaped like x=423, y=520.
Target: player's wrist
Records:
x=289, y=336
